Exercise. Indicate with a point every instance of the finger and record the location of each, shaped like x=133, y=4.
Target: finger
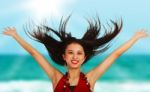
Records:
x=145, y=31
x=1, y=32
x=4, y=31
x=14, y=28
x=146, y=35
x=8, y=28
x=142, y=31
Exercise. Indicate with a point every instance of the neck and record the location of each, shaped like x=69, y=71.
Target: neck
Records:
x=73, y=73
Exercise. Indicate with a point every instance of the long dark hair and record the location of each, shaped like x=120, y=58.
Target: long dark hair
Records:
x=91, y=42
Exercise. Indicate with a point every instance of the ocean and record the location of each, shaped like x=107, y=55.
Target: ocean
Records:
x=129, y=73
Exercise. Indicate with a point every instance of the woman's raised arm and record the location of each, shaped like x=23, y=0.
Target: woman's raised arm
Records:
x=49, y=69
x=101, y=68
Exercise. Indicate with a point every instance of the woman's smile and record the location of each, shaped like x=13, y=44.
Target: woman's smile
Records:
x=74, y=61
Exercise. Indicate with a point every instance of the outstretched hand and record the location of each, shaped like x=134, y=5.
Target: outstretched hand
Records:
x=10, y=31
x=141, y=34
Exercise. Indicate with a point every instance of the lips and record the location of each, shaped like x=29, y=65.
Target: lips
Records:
x=74, y=61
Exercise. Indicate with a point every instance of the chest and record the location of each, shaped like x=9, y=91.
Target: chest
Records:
x=81, y=85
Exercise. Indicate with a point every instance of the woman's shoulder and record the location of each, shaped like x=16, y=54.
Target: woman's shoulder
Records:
x=89, y=76
x=56, y=78
x=58, y=75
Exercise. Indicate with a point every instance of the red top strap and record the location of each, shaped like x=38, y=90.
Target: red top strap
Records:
x=82, y=86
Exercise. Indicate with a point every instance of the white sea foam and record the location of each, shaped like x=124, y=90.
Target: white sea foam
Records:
x=25, y=86
x=45, y=86
x=122, y=87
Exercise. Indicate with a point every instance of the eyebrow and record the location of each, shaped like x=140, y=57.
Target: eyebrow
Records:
x=78, y=51
x=69, y=50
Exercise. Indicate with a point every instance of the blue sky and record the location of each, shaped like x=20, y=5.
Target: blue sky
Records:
x=17, y=13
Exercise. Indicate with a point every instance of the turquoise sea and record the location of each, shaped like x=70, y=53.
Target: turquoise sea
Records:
x=129, y=73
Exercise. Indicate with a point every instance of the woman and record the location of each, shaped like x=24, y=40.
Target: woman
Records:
x=73, y=52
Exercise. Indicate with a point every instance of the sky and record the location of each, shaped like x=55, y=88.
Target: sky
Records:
x=19, y=13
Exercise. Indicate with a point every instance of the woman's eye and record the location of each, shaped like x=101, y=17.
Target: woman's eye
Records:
x=70, y=52
x=79, y=53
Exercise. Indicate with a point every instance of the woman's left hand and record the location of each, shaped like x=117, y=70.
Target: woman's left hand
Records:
x=141, y=34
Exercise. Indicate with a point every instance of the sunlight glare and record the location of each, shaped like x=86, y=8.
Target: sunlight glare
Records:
x=43, y=8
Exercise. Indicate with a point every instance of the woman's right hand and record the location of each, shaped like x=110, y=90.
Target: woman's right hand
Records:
x=10, y=31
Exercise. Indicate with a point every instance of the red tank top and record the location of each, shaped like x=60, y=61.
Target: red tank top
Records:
x=82, y=86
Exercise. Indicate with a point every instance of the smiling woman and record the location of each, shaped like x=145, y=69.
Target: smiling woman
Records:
x=73, y=52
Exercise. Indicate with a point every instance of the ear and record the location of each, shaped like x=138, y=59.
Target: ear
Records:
x=85, y=58
x=63, y=56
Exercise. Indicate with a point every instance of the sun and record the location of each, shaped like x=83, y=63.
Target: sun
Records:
x=41, y=9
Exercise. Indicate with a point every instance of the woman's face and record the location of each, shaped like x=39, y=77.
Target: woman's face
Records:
x=74, y=55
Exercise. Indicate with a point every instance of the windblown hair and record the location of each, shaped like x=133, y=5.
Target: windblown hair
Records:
x=91, y=42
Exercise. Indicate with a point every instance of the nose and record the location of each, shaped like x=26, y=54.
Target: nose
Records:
x=74, y=56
